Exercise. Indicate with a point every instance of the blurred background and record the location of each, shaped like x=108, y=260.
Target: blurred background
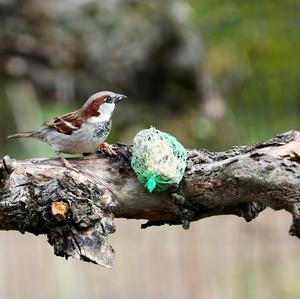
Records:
x=213, y=73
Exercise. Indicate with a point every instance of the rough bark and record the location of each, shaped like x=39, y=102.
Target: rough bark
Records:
x=76, y=208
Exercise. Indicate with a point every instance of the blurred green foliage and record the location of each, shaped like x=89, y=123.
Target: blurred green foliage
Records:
x=253, y=52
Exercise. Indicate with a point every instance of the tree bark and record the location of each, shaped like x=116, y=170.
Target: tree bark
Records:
x=76, y=208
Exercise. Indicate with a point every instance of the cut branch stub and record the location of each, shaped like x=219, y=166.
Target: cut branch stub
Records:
x=60, y=210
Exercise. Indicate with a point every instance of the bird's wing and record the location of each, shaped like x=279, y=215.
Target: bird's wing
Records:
x=67, y=123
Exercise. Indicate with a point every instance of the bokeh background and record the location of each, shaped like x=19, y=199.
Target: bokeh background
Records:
x=213, y=73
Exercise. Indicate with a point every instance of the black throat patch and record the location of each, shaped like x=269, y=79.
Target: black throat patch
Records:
x=103, y=129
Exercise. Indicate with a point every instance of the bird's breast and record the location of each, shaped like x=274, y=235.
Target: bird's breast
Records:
x=102, y=129
x=84, y=140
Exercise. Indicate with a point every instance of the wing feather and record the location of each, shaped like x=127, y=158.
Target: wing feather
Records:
x=67, y=123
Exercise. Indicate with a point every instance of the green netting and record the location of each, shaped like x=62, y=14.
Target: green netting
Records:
x=158, y=159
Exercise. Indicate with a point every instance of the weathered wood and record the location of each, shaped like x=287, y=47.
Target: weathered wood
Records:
x=76, y=208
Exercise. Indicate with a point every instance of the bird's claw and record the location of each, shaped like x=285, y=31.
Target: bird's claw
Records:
x=66, y=163
x=108, y=148
x=70, y=167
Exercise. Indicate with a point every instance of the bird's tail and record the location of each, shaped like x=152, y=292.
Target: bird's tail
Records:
x=33, y=134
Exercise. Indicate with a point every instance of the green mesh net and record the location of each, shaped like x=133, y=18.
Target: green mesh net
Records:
x=158, y=159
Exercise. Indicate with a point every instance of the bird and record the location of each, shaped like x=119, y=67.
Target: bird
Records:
x=82, y=131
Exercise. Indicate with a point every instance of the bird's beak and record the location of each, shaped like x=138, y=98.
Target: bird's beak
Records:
x=119, y=97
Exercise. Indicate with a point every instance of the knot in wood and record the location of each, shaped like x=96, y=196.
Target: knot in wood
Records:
x=59, y=210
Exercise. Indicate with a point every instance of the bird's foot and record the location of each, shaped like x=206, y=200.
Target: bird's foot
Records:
x=66, y=163
x=108, y=148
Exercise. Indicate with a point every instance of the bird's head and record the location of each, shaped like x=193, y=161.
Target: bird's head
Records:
x=101, y=104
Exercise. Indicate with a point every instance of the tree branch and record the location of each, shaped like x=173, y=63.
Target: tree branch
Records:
x=76, y=209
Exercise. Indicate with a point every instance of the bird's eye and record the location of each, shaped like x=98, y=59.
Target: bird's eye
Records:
x=108, y=99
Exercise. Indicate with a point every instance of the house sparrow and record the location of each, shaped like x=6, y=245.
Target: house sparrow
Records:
x=82, y=131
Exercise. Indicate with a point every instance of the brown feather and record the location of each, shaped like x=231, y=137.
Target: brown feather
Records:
x=67, y=123
x=72, y=121
x=92, y=109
